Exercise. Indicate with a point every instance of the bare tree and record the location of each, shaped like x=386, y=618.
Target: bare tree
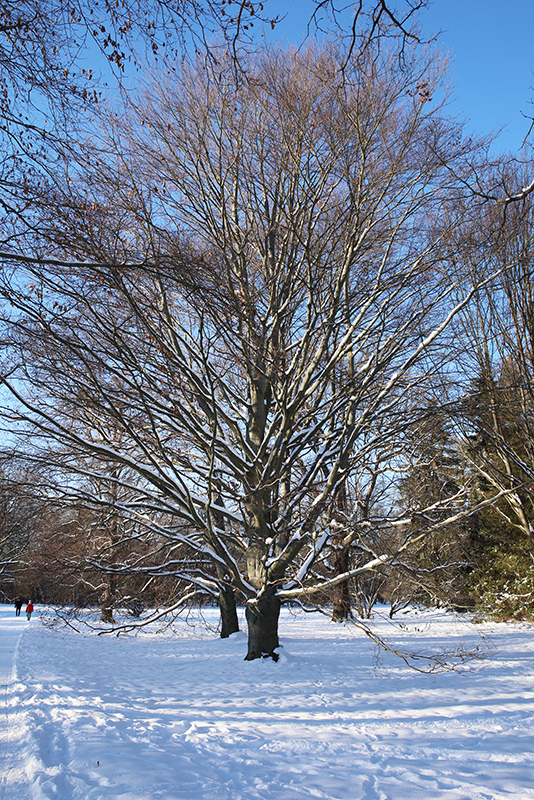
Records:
x=21, y=517
x=496, y=401
x=261, y=292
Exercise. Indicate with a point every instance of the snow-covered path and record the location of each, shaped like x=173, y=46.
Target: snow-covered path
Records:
x=180, y=715
x=13, y=782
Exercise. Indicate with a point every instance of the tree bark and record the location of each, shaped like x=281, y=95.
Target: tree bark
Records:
x=255, y=566
x=262, y=619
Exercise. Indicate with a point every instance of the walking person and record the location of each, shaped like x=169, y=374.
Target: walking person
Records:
x=18, y=606
x=29, y=609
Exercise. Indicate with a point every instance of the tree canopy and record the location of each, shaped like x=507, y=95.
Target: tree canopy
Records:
x=233, y=304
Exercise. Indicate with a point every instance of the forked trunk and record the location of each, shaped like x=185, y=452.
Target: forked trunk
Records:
x=262, y=619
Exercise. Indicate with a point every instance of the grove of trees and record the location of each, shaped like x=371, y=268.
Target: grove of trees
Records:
x=267, y=326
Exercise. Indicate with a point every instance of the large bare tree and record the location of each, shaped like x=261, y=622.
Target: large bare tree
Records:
x=251, y=285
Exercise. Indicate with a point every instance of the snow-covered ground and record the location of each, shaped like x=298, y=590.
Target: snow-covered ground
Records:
x=180, y=715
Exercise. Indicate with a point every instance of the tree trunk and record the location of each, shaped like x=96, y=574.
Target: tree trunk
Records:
x=341, y=598
x=110, y=527
x=262, y=619
x=107, y=600
x=227, y=606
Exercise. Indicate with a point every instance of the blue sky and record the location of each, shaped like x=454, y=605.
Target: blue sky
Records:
x=491, y=44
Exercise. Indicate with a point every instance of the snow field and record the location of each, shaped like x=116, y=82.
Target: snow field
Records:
x=179, y=715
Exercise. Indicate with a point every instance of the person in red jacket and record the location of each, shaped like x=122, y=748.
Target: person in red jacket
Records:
x=29, y=609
